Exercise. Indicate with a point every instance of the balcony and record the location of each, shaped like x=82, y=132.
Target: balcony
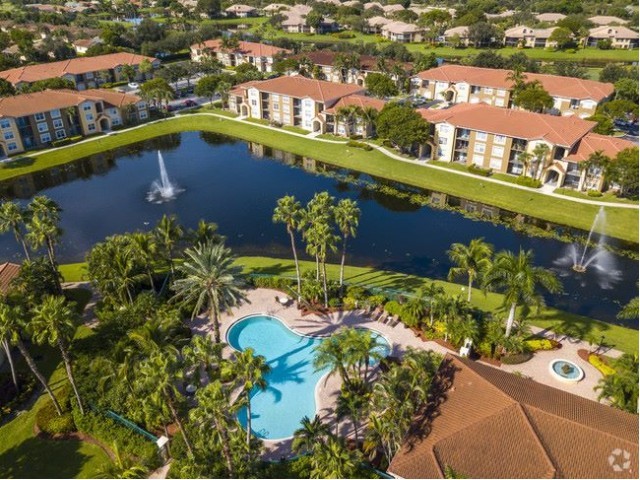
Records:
x=460, y=158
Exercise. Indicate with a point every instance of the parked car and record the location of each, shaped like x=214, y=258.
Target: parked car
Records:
x=133, y=85
x=190, y=103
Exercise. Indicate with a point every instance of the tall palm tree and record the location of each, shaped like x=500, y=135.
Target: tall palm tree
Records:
x=470, y=260
x=289, y=212
x=333, y=460
x=168, y=233
x=434, y=294
x=54, y=322
x=348, y=115
x=208, y=277
x=309, y=435
x=223, y=90
x=158, y=375
x=7, y=351
x=203, y=356
x=43, y=229
x=353, y=405
x=519, y=280
x=215, y=407
x=145, y=249
x=369, y=116
x=622, y=387
x=332, y=354
x=11, y=326
x=205, y=231
x=250, y=370
x=13, y=217
x=347, y=217
x=541, y=155
x=121, y=467
x=597, y=162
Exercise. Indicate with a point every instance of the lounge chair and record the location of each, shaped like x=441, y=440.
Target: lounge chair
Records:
x=394, y=321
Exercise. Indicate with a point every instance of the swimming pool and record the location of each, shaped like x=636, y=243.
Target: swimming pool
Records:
x=290, y=394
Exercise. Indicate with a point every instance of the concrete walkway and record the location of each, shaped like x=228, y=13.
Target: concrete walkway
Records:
x=400, y=337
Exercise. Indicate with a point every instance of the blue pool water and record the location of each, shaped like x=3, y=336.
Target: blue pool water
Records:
x=290, y=394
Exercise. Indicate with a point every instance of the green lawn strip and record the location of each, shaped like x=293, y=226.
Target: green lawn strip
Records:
x=606, y=197
x=22, y=455
x=624, y=339
x=622, y=223
x=293, y=129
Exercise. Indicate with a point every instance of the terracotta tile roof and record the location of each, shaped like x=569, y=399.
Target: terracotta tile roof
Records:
x=301, y=87
x=74, y=66
x=592, y=142
x=245, y=48
x=8, y=271
x=359, y=101
x=613, y=32
x=241, y=88
x=30, y=103
x=566, y=87
x=487, y=423
x=563, y=131
x=369, y=63
x=239, y=8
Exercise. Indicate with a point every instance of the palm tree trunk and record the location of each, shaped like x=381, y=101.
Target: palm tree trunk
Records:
x=510, y=320
x=344, y=255
x=20, y=239
x=54, y=266
x=248, y=422
x=469, y=292
x=355, y=430
x=295, y=260
x=153, y=285
x=14, y=377
x=226, y=450
x=72, y=380
x=34, y=368
x=176, y=418
x=324, y=283
x=213, y=312
x=317, y=267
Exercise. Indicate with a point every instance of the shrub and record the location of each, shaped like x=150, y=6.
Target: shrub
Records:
x=343, y=35
x=476, y=170
x=594, y=193
x=601, y=365
x=274, y=123
x=393, y=308
x=376, y=300
x=528, y=182
x=334, y=302
x=48, y=420
x=516, y=358
x=356, y=292
x=349, y=303
x=362, y=145
x=11, y=400
x=536, y=344
x=355, y=136
x=277, y=283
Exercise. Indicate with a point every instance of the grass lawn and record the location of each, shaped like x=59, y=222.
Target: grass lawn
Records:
x=606, y=197
x=293, y=129
x=623, y=223
x=624, y=339
x=22, y=455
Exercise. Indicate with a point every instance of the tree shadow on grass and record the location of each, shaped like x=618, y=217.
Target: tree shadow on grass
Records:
x=273, y=269
x=19, y=163
x=37, y=458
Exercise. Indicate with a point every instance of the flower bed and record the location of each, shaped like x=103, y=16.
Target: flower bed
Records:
x=537, y=344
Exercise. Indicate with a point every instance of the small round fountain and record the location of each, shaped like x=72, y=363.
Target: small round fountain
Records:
x=163, y=190
x=566, y=371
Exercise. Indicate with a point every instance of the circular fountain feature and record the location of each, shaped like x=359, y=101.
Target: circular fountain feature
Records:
x=163, y=190
x=579, y=268
x=566, y=371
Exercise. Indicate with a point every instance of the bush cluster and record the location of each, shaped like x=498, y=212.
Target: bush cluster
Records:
x=362, y=145
x=594, y=193
x=537, y=344
x=528, y=182
x=276, y=283
x=48, y=420
x=66, y=141
x=476, y=170
x=10, y=400
x=601, y=365
x=516, y=358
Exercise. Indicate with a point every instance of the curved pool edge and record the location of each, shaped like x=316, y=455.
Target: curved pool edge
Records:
x=566, y=380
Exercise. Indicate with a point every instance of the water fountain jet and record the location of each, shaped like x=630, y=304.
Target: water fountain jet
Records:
x=162, y=190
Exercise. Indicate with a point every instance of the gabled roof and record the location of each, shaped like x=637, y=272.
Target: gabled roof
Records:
x=401, y=27
x=74, y=66
x=488, y=423
x=378, y=21
x=44, y=101
x=357, y=100
x=566, y=87
x=326, y=58
x=613, y=32
x=8, y=271
x=462, y=31
x=239, y=8
x=301, y=87
x=607, y=20
x=550, y=17
x=563, y=131
x=245, y=48
x=521, y=31
x=593, y=142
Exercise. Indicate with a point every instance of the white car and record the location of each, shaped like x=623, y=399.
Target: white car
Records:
x=133, y=85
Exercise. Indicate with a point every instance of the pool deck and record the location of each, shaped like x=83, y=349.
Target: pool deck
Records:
x=262, y=301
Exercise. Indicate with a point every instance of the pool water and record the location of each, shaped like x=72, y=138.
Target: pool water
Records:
x=571, y=373
x=290, y=394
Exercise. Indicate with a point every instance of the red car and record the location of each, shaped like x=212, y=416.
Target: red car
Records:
x=190, y=103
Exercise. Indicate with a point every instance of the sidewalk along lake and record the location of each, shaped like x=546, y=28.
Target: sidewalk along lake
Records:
x=236, y=184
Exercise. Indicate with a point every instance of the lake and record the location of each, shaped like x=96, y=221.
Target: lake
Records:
x=236, y=185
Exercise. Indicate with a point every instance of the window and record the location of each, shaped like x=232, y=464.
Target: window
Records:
x=475, y=89
x=8, y=136
x=55, y=113
x=61, y=134
x=285, y=108
x=4, y=123
x=57, y=123
x=479, y=147
x=89, y=117
x=497, y=152
x=276, y=107
x=141, y=106
x=275, y=97
x=444, y=128
x=86, y=106
x=495, y=163
x=487, y=90
x=43, y=127
x=45, y=138
x=478, y=160
x=499, y=139
x=12, y=146
x=254, y=103
x=39, y=116
x=115, y=121
x=142, y=114
x=501, y=93
x=91, y=127
x=482, y=136
x=499, y=102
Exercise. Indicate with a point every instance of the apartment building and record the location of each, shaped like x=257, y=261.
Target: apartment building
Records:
x=259, y=55
x=295, y=101
x=496, y=138
x=402, y=32
x=620, y=37
x=326, y=59
x=359, y=124
x=528, y=37
x=35, y=120
x=84, y=72
x=462, y=84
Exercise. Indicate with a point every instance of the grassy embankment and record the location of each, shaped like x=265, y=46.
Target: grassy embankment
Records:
x=624, y=339
x=622, y=223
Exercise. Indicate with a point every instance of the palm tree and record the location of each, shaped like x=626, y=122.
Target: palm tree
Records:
x=146, y=249
x=13, y=217
x=434, y=293
x=205, y=231
x=597, y=162
x=223, y=90
x=461, y=328
x=43, y=229
x=347, y=217
x=250, y=372
x=333, y=460
x=525, y=158
x=518, y=280
x=158, y=375
x=369, y=116
x=622, y=387
x=517, y=77
x=351, y=404
x=289, y=211
x=121, y=467
x=470, y=260
x=12, y=367
x=54, y=322
x=11, y=324
x=348, y=115
x=168, y=233
x=310, y=435
x=125, y=268
x=541, y=154
x=208, y=277
x=332, y=354
x=215, y=407
x=203, y=356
